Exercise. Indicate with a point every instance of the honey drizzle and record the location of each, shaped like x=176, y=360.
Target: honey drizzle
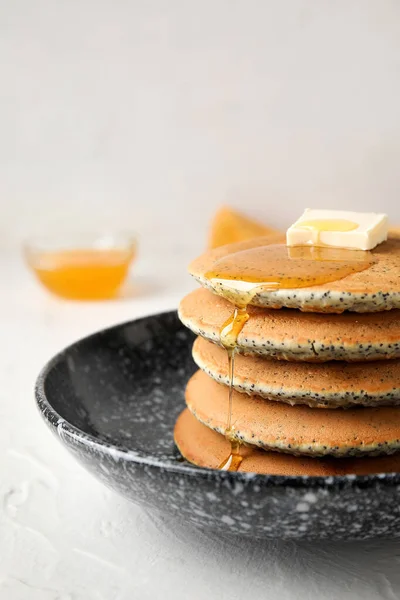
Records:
x=228, y=335
x=318, y=226
x=271, y=268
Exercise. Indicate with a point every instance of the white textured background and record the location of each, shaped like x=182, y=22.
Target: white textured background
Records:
x=159, y=110
x=150, y=114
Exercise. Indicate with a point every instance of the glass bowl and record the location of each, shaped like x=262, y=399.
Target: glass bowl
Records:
x=82, y=266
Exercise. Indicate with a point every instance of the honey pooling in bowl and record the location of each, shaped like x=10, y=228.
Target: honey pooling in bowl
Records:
x=83, y=274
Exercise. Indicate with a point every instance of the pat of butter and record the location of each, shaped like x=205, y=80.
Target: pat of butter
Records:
x=338, y=228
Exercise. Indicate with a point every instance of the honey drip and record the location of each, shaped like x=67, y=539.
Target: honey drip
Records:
x=228, y=335
x=246, y=273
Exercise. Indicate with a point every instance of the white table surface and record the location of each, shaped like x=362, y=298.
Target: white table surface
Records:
x=63, y=536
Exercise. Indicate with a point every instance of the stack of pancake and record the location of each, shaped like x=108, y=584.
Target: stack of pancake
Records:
x=317, y=373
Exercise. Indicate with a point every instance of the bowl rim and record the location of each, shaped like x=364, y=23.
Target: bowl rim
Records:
x=63, y=426
x=100, y=240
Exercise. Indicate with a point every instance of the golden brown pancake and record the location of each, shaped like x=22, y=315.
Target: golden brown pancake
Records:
x=295, y=429
x=207, y=448
x=294, y=335
x=321, y=385
x=376, y=288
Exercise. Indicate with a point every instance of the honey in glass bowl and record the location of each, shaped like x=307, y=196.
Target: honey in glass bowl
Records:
x=82, y=267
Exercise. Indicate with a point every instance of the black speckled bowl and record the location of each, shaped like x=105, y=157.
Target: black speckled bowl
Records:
x=113, y=398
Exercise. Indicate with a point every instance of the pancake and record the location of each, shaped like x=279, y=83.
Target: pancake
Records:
x=295, y=429
x=295, y=335
x=207, y=448
x=375, y=289
x=322, y=385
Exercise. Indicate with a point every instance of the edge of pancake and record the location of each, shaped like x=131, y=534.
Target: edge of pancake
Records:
x=318, y=450
x=283, y=393
x=305, y=350
x=209, y=450
x=317, y=300
x=275, y=443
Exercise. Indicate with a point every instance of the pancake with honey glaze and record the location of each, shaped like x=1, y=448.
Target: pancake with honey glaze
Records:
x=295, y=429
x=207, y=448
x=374, y=288
x=322, y=385
x=294, y=335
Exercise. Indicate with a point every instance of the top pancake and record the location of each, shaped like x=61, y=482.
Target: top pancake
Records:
x=375, y=289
